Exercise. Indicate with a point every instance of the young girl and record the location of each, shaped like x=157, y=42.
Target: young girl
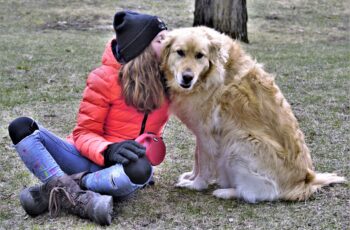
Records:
x=123, y=98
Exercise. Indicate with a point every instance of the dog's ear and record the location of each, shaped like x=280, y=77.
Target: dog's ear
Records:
x=218, y=55
x=217, y=52
x=169, y=39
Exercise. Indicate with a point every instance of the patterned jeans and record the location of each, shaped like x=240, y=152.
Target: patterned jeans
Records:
x=47, y=156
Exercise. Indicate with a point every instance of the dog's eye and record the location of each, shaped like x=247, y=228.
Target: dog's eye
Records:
x=181, y=53
x=199, y=55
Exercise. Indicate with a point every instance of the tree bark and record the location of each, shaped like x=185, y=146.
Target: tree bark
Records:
x=227, y=16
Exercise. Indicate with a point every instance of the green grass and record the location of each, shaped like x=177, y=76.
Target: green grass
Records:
x=48, y=48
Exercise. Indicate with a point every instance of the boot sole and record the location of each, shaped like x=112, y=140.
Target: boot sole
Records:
x=103, y=210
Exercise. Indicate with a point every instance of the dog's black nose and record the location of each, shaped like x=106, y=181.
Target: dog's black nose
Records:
x=187, y=77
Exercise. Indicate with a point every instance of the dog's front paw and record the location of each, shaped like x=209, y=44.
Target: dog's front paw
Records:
x=227, y=193
x=187, y=176
x=196, y=184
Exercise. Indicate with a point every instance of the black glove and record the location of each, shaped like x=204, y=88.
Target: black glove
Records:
x=123, y=152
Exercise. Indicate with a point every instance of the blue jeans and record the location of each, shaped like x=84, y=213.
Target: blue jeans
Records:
x=47, y=156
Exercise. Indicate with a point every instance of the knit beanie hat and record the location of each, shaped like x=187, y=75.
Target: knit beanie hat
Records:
x=134, y=32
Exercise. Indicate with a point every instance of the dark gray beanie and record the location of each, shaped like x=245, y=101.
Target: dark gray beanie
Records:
x=134, y=32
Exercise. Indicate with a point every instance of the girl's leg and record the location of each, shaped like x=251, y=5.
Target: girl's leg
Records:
x=45, y=154
x=37, y=159
x=114, y=180
x=66, y=154
x=117, y=180
x=32, y=143
x=24, y=135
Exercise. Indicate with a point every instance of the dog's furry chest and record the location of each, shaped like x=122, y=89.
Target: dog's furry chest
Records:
x=202, y=117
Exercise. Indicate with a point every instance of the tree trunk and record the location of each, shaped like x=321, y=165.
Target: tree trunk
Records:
x=227, y=16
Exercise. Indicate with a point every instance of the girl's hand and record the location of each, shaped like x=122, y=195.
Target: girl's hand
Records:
x=123, y=152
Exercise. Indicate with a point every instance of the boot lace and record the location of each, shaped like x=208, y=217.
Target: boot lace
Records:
x=54, y=200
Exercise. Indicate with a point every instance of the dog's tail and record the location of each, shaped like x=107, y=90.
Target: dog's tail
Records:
x=324, y=179
x=313, y=182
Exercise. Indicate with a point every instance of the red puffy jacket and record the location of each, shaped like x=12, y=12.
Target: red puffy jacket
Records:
x=103, y=116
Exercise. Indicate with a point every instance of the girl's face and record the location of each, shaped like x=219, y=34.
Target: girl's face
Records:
x=157, y=43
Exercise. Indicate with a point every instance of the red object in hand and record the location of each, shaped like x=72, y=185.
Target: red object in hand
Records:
x=155, y=147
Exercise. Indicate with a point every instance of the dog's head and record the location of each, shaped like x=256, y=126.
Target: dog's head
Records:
x=188, y=56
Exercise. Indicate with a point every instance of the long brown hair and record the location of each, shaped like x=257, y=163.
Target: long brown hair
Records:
x=141, y=82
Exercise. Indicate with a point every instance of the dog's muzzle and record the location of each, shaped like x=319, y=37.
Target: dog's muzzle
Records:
x=187, y=77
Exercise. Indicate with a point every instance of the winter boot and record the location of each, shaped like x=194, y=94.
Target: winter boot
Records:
x=64, y=192
x=34, y=200
x=78, y=178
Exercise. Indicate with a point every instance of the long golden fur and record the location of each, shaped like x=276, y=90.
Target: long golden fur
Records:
x=247, y=139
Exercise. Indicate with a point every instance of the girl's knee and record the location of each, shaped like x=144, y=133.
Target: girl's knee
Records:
x=20, y=128
x=112, y=181
x=139, y=171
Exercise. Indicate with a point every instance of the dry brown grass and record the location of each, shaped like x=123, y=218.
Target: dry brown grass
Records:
x=48, y=47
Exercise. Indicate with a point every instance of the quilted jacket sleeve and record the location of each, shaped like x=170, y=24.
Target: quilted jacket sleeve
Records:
x=94, y=107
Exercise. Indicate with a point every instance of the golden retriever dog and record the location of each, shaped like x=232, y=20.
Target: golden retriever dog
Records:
x=247, y=139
